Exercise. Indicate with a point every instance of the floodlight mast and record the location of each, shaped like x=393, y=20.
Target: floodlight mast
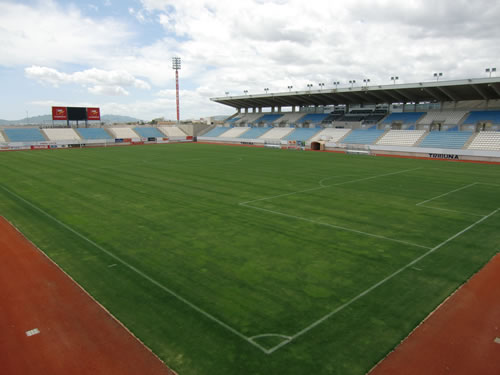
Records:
x=176, y=65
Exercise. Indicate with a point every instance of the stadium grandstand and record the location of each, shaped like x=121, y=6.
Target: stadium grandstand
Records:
x=27, y=137
x=418, y=118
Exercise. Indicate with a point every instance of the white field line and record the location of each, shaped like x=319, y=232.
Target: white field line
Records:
x=270, y=335
x=327, y=186
x=335, y=226
x=454, y=191
x=139, y=272
x=332, y=177
x=381, y=282
x=448, y=210
x=445, y=194
x=487, y=184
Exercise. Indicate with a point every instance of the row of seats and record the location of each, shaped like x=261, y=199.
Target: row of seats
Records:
x=401, y=137
x=485, y=140
x=24, y=135
x=70, y=134
x=446, y=139
x=373, y=116
x=93, y=133
x=404, y=117
x=362, y=136
x=483, y=116
x=445, y=117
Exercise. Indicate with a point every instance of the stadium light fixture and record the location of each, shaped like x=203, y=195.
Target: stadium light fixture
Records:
x=176, y=65
x=438, y=75
x=245, y=92
x=321, y=85
x=227, y=93
x=490, y=70
x=352, y=82
x=266, y=89
x=309, y=86
x=366, y=81
x=336, y=83
x=290, y=88
x=394, y=79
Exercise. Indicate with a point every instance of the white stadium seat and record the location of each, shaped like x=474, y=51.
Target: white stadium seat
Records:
x=486, y=140
x=401, y=137
x=65, y=134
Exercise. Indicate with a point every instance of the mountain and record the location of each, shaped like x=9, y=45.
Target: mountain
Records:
x=47, y=120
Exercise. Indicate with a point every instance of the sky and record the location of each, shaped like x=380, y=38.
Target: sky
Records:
x=116, y=54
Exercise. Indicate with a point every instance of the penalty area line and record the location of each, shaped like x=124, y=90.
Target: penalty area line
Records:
x=139, y=272
x=381, y=282
x=335, y=226
x=327, y=186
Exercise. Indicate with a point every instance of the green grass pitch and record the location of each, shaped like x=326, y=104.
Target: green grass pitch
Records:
x=234, y=260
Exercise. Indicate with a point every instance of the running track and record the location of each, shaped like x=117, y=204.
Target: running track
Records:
x=77, y=336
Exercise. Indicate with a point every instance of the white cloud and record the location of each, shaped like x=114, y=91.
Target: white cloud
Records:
x=108, y=90
x=50, y=34
x=229, y=45
x=102, y=82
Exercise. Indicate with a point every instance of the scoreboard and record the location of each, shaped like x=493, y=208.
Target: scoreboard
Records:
x=76, y=113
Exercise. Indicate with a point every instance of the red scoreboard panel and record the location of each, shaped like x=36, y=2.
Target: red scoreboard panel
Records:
x=93, y=114
x=59, y=113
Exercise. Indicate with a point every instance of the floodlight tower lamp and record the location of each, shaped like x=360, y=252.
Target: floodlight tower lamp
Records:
x=290, y=88
x=176, y=65
x=438, y=75
x=394, y=79
x=490, y=70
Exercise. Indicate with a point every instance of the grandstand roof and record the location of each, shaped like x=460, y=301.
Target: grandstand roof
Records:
x=440, y=91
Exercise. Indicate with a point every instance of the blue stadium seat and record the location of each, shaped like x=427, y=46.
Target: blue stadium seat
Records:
x=483, y=116
x=254, y=133
x=313, y=118
x=404, y=117
x=268, y=119
x=215, y=132
x=302, y=134
x=93, y=133
x=453, y=139
x=24, y=135
x=363, y=137
x=148, y=132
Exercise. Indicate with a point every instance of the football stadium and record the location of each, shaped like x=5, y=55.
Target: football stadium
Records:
x=252, y=187
x=309, y=240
